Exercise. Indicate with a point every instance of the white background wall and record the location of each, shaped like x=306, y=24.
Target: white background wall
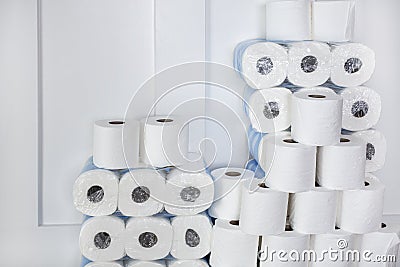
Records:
x=65, y=63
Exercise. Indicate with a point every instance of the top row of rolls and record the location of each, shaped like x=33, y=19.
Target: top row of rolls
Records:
x=265, y=64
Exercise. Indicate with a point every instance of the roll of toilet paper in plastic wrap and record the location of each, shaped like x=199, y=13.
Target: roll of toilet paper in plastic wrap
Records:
x=102, y=238
x=376, y=147
x=288, y=241
x=187, y=263
x=228, y=192
x=264, y=65
x=95, y=192
x=138, y=263
x=164, y=141
x=288, y=20
x=316, y=116
x=314, y=211
x=253, y=166
x=115, y=144
x=255, y=139
x=384, y=243
x=360, y=211
x=342, y=166
x=361, y=108
x=148, y=238
x=336, y=240
x=333, y=21
x=352, y=64
x=263, y=210
x=269, y=109
x=309, y=63
x=105, y=264
x=192, y=237
x=289, y=166
x=188, y=192
x=141, y=192
x=231, y=247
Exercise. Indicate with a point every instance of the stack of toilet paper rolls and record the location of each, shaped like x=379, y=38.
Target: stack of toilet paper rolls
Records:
x=144, y=205
x=309, y=184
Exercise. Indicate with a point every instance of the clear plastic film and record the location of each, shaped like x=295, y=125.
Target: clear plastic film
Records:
x=187, y=263
x=138, y=263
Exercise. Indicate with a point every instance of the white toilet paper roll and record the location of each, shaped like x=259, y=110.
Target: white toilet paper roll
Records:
x=263, y=210
x=192, y=237
x=140, y=192
x=333, y=21
x=309, y=63
x=289, y=166
x=148, y=238
x=361, y=108
x=231, y=247
x=269, y=109
x=137, y=263
x=288, y=20
x=384, y=242
x=95, y=192
x=104, y=264
x=115, y=144
x=164, y=141
x=314, y=211
x=288, y=241
x=264, y=65
x=336, y=240
x=375, y=149
x=316, y=117
x=352, y=64
x=360, y=211
x=187, y=263
x=188, y=192
x=228, y=192
x=342, y=166
x=101, y=238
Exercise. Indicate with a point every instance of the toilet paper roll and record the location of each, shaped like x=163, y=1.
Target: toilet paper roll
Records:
x=95, y=192
x=336, y=240
x=263, y=210
x=333, y=21
x=148, y=238
x=360, y=211
x=231, y=247
x=352, y=64
x=288, y=20
x=140, y=192
x=361, y=108
x=316, y=117
x=188, y=192
x=264, y=65
x=376, y=148
x=137, y=263
x=384, y=242
x=314, y=211
x=164, y=141
x=288, y=241
x=228, y=192
x=289, y=166
x=115, y=144
x=253, y=166
x=269, y=109
x=309, y=63
x=192, y=237
x=101, y=238
x=104, y=264
x=342, y=166
x=187, y=263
